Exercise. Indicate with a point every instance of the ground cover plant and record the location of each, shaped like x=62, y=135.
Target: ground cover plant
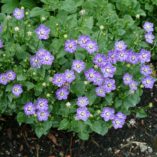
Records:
x=62, y=66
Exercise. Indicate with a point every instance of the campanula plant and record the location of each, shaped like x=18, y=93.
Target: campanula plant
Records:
x=71, y=82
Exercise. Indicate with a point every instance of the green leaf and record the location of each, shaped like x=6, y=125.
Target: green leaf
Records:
x=38, y=12
x=28, y=4
x=64, y=124
x=29, y=85
x=141, y=113
x=88, y=22
x=21, y=117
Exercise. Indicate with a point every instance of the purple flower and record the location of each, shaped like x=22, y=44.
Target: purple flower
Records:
x=133, y=85
x=120, y=45
x=99, y=79
x=1, y=44
x=82, y=101
x=127, y=78
x=62, y=93
x=121, y=116
x=100, y=91
x=100, y=60
x=70, y=46
x=29, y=108
x=82, y=40
x=118, y=122
x=45, y=57
x=3, y=79
x=42, y=104
x=149, y=37
x=91, y=46
x=42, y=32
x=59, y=80
x=108, y=70
x=148, y=27
x=82, y=114
x=78, y=66
x=107, y=113
x=109, y=85
x=144, y=56
x=148, y=82
x=146, y=70
x=42, y=115
x=133, y=57
x=17, y=90
x=11, y=75
x=112, y=57
x=19, y=13
x=122, y=56
x=90, y=74
x=69, y=75
x=35, y=62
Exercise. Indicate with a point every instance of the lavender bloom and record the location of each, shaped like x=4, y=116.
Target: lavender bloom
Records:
x=82, y=101
x=107, y=113
x=82, y=40
x=118, y=122
x=99, y=79
x=100, y=91
x=62, y=94
x=144, y=56
x=109, y=85
x=108, y=70
x=91, y=46
x=1, y=44
x=3, y=79
x=42, y=32
x=19, y=13
x=127, y=78
x=121, y=116
x=59, y=80
x=78, y=66
x=149, y=37
x=100, y=60
x=148, y=27
x=133, y=85
x=82, y=114
x=42, y=115
x=132, y=57
x=122, y=55
x=35, y=62
x=42, y=104
x=112, y=57
x=90, y=74
x=146, y=70
x=17, y=90
x=69, y=76
x=11, y=75
x=45, y=57
x=70, y=46
x=29, y=109
x=120, y=45
x=148, y=82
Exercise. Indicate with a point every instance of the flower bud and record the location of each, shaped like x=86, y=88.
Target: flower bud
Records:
x=150, y=104
x=86, y=82
x=48, y=95
x=137, y=16
x=82, y=12
x=43, y=18
x=101, y=27
x=65, y=36
x=16, y=29
x=98, y=111
x=44, y=84
x=29, y=33
x=68, y=104
x=26, y=13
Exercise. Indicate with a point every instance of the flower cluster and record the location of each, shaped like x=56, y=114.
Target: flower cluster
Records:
x=63, y=81
x=118, y=119
x=5, y=78
x=40, y=108
x=149, y=28
x=82, y=112
x=42, y=57
x=84, y=42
